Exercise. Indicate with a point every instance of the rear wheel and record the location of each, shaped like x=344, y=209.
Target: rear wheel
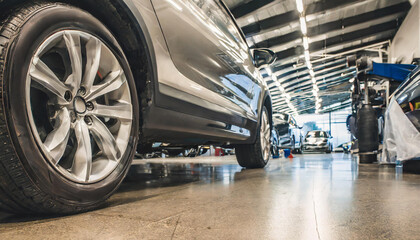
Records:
x=300, y=149
x=69, y=131
x=274, y=145
x=256, y=155
x=329, y=150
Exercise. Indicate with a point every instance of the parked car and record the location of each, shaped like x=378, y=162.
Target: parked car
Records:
x=344, y=147
x=85, y=83
x=402, y=124
x=288, y=132
x=318, y=141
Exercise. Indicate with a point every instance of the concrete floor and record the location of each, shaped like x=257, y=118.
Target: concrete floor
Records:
x=313, y=196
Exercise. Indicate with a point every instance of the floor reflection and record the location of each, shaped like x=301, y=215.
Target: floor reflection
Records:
x=327, y=196
x=171, y=174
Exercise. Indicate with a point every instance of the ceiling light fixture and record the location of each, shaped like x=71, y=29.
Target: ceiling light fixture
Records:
x=303, y=25
x=299, y=5
x=305, y=43
x=312, y=73
x=281, y=88
x=274, y=78
x=268, y=70
x=307, y=56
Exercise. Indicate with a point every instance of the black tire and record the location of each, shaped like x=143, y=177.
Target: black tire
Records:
x=28, y=182
x=251, y=155
x=293, y=145
x=300, y=149
x=329, y=150
x=274, y=147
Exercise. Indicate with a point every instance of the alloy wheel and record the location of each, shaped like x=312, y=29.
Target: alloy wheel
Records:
x=79, y=105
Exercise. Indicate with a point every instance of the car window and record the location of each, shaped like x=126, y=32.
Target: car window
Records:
x=317, y=134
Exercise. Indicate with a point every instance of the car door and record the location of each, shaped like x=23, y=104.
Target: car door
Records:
x=207, y=48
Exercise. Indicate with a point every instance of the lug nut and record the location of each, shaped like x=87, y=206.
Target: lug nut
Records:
x=89, y=106
x=68, y=96
x=82, y=91
x=88, y=120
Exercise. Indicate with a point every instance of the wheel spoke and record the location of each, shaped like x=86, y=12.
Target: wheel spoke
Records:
x=263, y=123
x=85, y=142
x=267, y=147
x=121, y=111
x=93, y=57
x=56, y=141
x=112, y=82
x=105, y=140
x=73, y=47
x=82, y=162
x=44, y=76
x=267, y=132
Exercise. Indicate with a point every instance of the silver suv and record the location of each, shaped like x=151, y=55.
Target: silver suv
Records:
x=86, y=84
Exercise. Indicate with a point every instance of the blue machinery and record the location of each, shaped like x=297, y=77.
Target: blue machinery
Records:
x=397, y=72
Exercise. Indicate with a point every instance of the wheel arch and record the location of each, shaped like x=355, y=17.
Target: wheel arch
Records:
x=269, y=106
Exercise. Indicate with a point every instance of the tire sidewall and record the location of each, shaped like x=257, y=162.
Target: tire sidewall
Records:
x=40, y=26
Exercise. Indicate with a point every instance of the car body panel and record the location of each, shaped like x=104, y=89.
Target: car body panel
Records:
x=209, y=51
x=201, y=92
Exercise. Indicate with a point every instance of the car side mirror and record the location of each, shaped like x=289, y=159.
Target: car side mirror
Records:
x=263, y=56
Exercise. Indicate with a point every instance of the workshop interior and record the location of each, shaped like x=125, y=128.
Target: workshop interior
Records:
x=209, y=119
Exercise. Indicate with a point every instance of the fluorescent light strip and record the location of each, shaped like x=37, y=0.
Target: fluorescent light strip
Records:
x=305, y=43
x=299, y=6
x=285, y=95
x=303, y=25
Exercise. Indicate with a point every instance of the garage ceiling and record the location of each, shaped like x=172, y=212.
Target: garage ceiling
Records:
x=320, y=81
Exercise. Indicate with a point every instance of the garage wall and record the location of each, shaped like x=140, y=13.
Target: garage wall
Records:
x=406, y=43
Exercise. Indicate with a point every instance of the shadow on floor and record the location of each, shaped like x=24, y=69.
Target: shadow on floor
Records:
x=147, y=176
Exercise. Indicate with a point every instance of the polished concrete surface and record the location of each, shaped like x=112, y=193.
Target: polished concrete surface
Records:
x=313, y=196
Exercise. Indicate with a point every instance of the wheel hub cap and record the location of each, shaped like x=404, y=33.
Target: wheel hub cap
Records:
x=79, y=105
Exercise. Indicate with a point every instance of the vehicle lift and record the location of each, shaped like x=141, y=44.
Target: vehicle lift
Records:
x=382, y=75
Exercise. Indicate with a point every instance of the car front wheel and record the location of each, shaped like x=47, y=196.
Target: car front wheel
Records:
x=68, y=112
